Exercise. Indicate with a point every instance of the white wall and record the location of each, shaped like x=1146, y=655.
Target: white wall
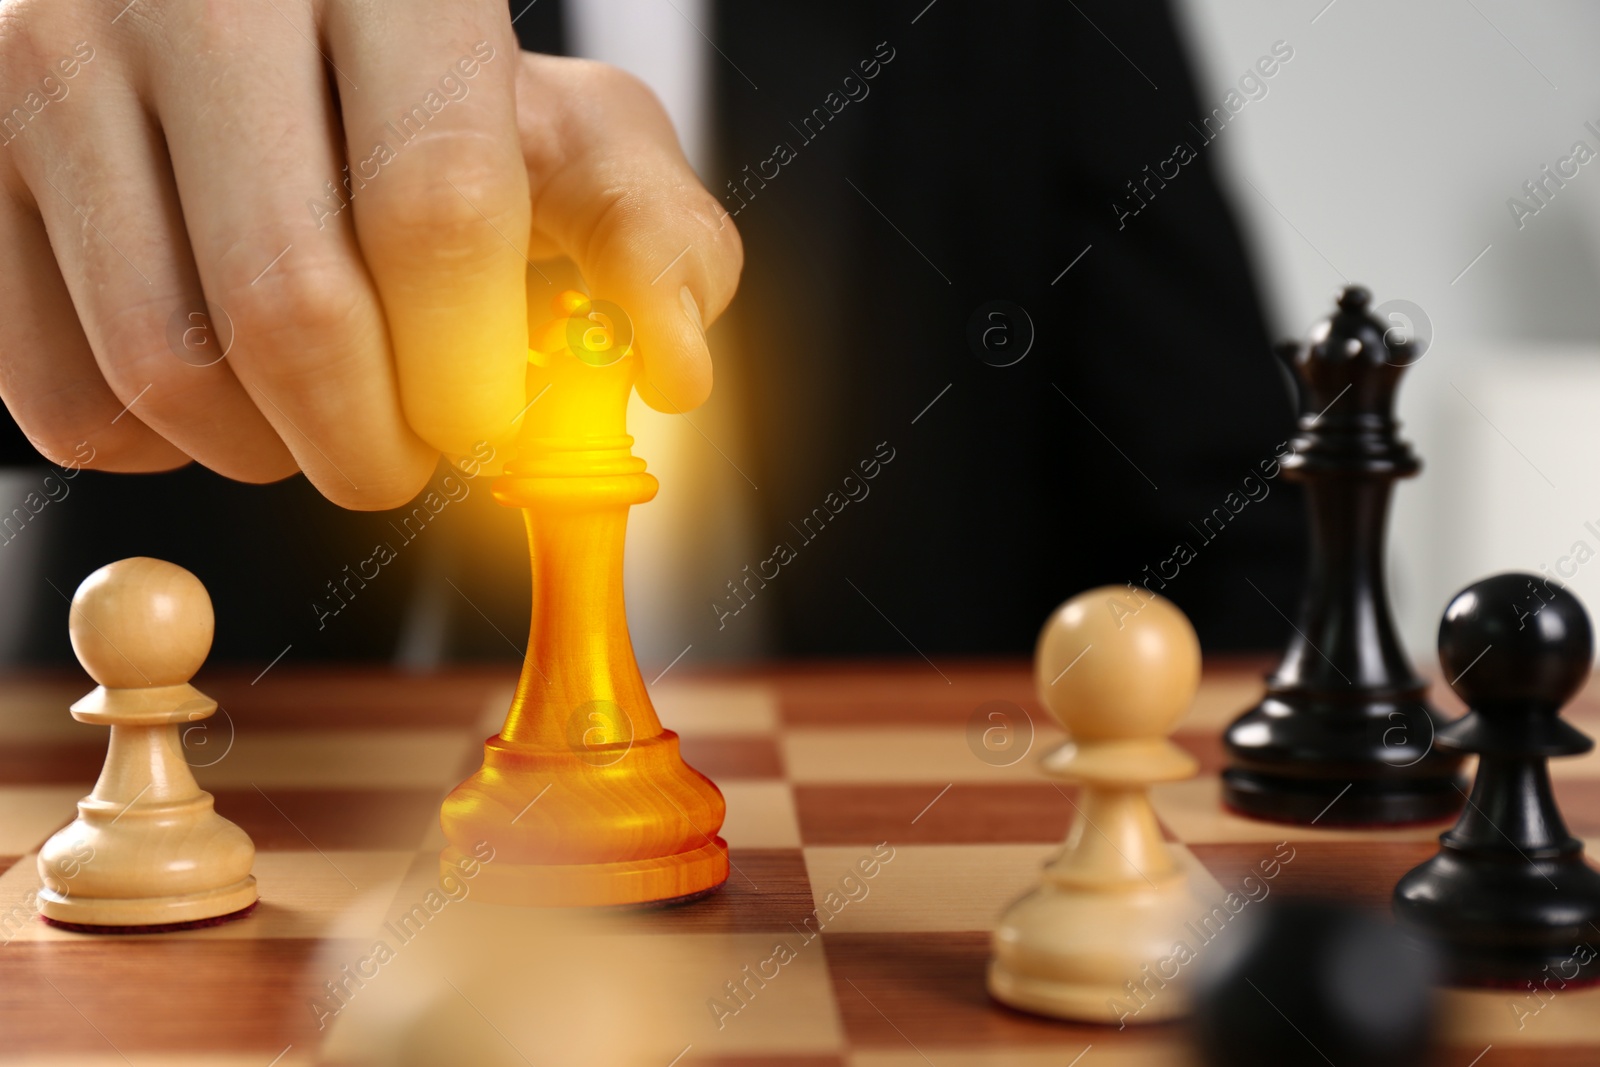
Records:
x=1384, y=153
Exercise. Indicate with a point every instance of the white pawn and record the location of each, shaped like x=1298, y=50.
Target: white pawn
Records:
x=1117, y=672
x=146, y=848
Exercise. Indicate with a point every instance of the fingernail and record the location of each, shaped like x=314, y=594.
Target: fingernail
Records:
x=692, y=309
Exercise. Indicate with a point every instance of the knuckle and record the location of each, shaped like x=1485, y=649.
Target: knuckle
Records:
x=153, y=381
x=449, y=435
x=463, y=195
x=74, y=432
x=628, y=217
x=446, y=426
x=616, y=86
x=296, y=312
x=722, y=238
x=42, y=47
x=134, y=355
x=694, y=218
x=20, y=38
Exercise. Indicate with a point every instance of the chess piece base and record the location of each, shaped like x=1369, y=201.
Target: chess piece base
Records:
x=146, y=863
x=1066, y=1000
x=1363, y=759
x=1274, y=798
x=156, y=928
x=1501, y=922
x=1072, y=954
x=627, y=823
x=81, y=911
x=658, y=880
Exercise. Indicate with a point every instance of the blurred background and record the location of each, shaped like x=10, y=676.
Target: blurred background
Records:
x=1023, y=262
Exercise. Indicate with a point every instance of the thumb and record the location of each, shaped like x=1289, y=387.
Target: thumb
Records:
x=673, y=271
x=619, y=199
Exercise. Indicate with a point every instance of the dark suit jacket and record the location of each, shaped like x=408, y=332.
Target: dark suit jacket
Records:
x=896, y=167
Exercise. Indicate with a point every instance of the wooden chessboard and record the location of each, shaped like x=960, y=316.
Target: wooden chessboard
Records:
x=338, y=774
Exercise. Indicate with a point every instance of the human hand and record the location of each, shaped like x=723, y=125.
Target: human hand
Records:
x=189, y=271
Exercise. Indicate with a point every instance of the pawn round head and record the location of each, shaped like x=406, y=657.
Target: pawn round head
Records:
x=1114, y=665
x=141, y=622
x=1515, y=639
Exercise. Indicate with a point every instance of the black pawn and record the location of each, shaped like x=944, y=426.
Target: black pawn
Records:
x=1509, y=898
x=1303, y=984
x=1342, y=735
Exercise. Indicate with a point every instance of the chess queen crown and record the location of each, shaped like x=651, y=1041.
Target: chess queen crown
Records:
x=1345, y=378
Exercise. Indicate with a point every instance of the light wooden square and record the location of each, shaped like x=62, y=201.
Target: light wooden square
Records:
x=908, y=754
x=761, y=814
x=942, y=887
x=31, y=813
x=1585, y=767
x=1475, y=1018
x=696, y=709
x=1222, y=699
